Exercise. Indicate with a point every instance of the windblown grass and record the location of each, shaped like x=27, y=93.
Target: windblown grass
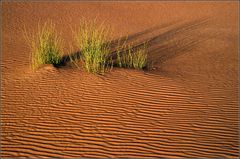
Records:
x=46, y=45
x=132, y=58
x=92, y=40
x=139, y=58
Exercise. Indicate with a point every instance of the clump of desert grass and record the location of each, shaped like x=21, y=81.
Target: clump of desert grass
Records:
x=130, y=57
x=46, y=45
x=93, y=41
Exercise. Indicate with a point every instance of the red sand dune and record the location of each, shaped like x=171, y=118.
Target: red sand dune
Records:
x=186, y=107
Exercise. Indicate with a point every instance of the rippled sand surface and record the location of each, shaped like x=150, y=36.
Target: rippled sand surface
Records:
x=186, y=107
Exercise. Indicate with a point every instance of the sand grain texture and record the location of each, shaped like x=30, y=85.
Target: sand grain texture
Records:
x=186, y=107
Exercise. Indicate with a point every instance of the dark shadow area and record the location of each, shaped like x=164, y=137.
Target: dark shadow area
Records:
x=65, y=59
x=175, y=40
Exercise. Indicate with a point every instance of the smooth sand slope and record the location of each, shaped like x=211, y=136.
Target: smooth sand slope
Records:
x=186, y=107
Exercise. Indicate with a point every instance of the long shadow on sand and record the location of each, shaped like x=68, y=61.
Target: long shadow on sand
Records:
x=121, y=40
x=164, y=41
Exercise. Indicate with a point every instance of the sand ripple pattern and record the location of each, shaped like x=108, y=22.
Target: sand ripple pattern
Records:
x=126, y=114
x=186, y=107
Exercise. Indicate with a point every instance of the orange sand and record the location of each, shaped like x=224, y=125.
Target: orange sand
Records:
x=186, y=107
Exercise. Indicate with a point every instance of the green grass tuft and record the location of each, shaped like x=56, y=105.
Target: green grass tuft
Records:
x=132, y=58
x=46, y=45
x=92, y=40
x=139, y=59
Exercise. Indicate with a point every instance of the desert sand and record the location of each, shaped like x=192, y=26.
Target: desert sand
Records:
x=187, y=106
